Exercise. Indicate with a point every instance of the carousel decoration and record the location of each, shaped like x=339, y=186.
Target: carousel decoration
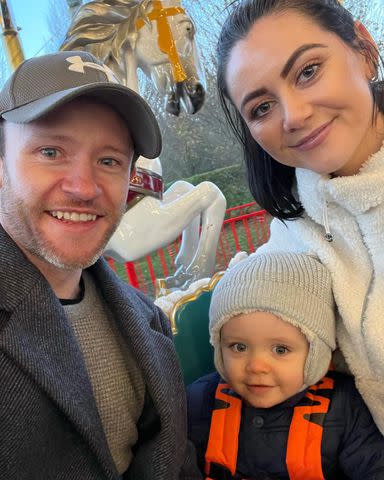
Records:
x=10, y=34
x=158, y=38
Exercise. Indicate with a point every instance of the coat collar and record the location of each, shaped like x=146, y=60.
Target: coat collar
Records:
x=355, y=193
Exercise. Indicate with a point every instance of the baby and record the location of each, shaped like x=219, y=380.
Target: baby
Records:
x=274, y=410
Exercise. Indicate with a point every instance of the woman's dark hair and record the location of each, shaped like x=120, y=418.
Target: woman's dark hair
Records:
x=269, y=181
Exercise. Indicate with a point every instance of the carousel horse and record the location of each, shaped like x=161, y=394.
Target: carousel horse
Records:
x=157, y=37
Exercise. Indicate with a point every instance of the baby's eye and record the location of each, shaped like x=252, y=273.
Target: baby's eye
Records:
x=238, y=347
x=49, y=152
x=280, y=350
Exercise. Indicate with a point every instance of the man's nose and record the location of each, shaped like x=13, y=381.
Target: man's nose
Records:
x=81, y=181
x=296, y=111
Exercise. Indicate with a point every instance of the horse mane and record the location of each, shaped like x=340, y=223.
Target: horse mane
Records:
x=106, y=27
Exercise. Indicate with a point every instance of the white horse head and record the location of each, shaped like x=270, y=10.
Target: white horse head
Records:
x=156, y=36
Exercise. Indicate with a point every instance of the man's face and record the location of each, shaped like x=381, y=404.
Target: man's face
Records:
x=64, y=181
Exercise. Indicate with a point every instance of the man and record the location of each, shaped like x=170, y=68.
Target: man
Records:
x=90, y=384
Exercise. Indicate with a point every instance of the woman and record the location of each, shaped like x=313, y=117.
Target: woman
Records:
x=298, y=80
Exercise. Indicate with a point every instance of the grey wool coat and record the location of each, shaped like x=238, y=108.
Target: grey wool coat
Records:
x=49, y=424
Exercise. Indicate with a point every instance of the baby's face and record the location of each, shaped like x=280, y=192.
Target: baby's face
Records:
x=263, y=358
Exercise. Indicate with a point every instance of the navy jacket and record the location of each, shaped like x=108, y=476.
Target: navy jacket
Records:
x=352, y=446
x=50, y=428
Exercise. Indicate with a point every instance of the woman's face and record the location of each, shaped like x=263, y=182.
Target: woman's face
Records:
x=304, y=94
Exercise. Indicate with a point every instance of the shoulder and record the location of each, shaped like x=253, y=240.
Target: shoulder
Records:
x=207, y=382
x=201, y=395
x=286, y=236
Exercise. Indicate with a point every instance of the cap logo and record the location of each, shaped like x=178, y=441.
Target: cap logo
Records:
x=77, y=65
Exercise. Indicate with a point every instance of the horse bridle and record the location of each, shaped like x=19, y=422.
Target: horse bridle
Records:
x=165, y=40
x=144, y=182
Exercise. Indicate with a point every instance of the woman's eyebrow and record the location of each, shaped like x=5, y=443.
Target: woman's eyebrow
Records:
x=296, y=54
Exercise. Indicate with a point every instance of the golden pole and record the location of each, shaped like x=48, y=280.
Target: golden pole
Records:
x=11, y=38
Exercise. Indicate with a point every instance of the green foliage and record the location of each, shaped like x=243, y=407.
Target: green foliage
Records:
x=231, y=181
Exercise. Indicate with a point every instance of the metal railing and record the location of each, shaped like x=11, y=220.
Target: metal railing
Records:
x=244, y=229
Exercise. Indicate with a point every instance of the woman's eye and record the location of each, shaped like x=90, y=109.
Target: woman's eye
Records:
x=49, y=152
x=261, y=110
x=280, y=350
x=238, y=347
x=308, y=72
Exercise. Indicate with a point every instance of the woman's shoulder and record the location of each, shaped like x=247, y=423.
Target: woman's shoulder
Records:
x=283, y=237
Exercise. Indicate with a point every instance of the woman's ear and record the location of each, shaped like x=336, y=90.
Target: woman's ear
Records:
x=368, y=48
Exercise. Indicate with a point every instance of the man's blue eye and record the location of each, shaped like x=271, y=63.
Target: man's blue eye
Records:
x=49, y=152
x=109, y=161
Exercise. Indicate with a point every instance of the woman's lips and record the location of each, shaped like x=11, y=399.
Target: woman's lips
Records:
x=315, y=138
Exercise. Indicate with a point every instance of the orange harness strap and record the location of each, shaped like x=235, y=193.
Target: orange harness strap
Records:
x=303, y=458
x=306, y=432
x=224, y=432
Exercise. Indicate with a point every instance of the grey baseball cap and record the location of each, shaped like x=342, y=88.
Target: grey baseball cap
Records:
x=41, y=84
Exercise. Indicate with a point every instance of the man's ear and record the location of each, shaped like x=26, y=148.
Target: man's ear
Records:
x=369, y=49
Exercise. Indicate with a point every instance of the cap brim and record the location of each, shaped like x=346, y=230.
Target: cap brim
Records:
x=136, y=113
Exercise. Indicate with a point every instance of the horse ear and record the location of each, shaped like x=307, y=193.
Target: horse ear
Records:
x=369, y=47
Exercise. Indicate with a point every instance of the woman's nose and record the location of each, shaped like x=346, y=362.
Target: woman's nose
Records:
x=296, y=111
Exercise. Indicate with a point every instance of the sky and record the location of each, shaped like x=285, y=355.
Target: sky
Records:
x=32, y=17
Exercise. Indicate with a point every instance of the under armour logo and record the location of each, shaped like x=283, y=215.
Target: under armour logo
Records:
x=77, y=65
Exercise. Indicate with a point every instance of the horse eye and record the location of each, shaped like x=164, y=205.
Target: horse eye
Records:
x=190, y=29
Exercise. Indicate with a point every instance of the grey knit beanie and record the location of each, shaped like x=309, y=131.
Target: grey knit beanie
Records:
x=294, y=287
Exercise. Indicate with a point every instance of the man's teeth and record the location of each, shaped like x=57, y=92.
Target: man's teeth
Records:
x=74, y=216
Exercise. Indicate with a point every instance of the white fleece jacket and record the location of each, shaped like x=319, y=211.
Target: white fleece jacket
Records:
x=354, y=206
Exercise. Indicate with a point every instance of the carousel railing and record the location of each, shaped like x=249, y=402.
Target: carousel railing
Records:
x=244, y=229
